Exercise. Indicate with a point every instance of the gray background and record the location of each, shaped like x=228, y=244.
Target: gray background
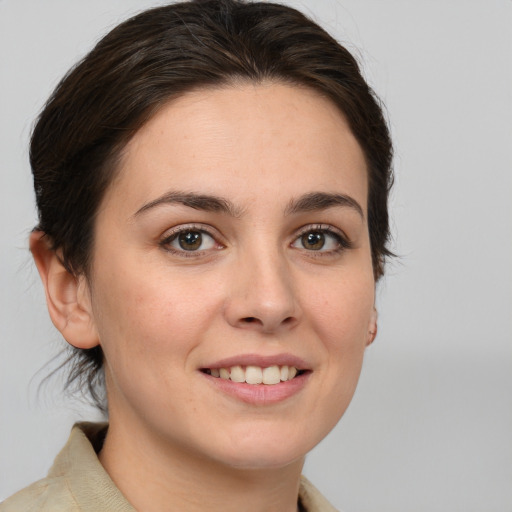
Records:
x=430, y=428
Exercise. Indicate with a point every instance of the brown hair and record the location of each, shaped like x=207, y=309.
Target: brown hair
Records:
x=159, y=55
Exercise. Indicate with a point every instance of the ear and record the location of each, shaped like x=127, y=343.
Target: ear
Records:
x=372, y=327
x=67, y=296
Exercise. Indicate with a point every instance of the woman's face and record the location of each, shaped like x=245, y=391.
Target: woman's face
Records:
x=235, y=236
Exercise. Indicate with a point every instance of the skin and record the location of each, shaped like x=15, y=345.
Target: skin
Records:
x=161, y=313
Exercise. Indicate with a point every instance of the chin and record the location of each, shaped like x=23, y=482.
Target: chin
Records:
x=265, y=451
x=263, y=460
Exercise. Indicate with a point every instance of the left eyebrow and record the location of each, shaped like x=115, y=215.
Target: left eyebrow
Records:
x=316, y=201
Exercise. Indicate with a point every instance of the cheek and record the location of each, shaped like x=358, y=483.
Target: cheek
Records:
x=148, y=325
x=341, y=313
x=154, y=309
x=340, y=317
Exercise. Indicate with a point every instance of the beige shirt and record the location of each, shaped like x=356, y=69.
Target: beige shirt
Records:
x=77, y=482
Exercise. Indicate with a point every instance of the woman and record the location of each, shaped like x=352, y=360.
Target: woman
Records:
x=212, y=185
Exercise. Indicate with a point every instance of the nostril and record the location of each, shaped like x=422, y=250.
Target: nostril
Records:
x=267, y=324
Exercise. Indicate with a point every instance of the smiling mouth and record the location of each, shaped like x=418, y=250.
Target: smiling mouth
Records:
x=270, y=375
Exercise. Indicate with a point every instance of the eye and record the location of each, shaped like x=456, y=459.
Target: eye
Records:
x=189, y=240
x=321, y=240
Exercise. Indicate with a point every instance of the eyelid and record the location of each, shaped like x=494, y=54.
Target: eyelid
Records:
x=328, y=228
x=170, y=235
x=341, y=237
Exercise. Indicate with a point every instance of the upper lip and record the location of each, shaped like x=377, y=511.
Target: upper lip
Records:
x=261, y=361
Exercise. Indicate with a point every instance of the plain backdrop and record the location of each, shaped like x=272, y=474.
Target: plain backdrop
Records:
x=430, y=427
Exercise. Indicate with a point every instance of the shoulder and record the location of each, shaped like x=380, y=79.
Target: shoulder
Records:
x=48, y=494
x=76, y=482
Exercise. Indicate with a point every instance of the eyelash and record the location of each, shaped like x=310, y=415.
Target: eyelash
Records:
x=165, y=243
x=341, y=239
x=343, y=242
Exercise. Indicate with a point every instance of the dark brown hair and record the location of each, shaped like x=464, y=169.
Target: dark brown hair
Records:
x=155, y=57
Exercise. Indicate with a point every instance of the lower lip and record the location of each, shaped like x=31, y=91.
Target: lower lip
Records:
x=260, y=394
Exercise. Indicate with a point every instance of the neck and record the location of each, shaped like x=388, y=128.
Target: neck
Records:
x=155, y=476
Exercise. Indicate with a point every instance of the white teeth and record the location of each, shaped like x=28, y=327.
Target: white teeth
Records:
x=255, y=374
x=237, y=374
x=271, y=375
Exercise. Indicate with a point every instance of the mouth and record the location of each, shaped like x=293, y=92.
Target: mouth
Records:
x=256, y=375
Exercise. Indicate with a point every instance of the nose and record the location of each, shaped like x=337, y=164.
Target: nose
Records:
x=262, y=295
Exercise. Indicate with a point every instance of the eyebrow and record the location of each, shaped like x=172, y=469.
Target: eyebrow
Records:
x=317, y=201
x=206, y=202
x=314, y=201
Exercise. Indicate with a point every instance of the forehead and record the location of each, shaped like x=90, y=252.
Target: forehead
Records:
x=246, y=140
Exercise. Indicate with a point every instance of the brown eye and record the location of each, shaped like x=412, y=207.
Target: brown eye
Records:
x=321, y=240
x=313, y=241
x=190, y=240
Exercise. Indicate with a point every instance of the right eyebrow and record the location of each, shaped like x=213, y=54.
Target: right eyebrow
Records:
x=205, y=202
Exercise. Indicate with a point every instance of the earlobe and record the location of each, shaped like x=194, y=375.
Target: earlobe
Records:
x=372, y=327
x=67, y=295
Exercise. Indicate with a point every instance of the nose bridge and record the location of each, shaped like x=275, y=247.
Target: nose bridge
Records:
x=262, y=293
